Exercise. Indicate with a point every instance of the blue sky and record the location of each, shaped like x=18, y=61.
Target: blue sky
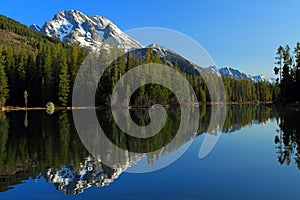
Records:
x=239, y=33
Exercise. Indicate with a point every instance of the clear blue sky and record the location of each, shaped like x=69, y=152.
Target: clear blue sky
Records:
x=240, y=33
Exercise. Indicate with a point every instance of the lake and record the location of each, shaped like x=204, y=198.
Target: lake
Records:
x=257, y=156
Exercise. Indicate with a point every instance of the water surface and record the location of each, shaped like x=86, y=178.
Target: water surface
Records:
x=256, y=157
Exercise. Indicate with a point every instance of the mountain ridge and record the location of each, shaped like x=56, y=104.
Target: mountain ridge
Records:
x=91, y=32
x=237, y=74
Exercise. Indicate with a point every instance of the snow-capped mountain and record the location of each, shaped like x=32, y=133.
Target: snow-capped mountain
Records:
x=233, y=73
x=259, y=78
x=236, y=74
x=94, y=32
x=90, y=32
x=171, y=57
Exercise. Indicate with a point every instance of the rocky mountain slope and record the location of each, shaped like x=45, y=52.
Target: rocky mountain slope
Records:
x=94, y=32
x=91, y=32
x=236, y=74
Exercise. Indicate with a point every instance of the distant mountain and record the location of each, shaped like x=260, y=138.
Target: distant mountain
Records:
x=264, y=78
x=171, y=58
x=91, y=32
x=236, y=74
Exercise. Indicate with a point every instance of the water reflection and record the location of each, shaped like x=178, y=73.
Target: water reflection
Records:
x=90, y=173
x=43, y=146
x=288, y=138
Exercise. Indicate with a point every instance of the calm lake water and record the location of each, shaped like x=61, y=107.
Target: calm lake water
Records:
x=256, y=157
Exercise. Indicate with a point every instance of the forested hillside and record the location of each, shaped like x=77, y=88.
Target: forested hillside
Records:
x=42, y=66
x=236, y=89
x=36, y=69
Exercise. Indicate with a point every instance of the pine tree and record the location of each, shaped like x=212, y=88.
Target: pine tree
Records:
x=64, y=81
x=279, y=61
x=3, y=83
x=32, y=81
x=287, y=79
x=21, y=65
x=74, y=64
x=9, y=60
x=297, y=70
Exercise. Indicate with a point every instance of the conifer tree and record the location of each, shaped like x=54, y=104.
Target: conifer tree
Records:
x=297, y=70
x=287, y=79
x=21, y=65
x=279, y=61
x=64, y=81
x=3, y=83
x=74, y=64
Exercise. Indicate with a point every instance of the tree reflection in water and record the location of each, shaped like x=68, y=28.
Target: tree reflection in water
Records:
x=49, y=147
x=287, y=139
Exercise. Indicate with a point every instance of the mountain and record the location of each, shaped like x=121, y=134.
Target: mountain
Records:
x=171, y=57
x=236, y=74
x=259, y=78
x=91, y=32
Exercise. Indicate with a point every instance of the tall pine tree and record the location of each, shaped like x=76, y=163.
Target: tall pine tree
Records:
x=3, y=83
x=297, y=70
x=64, y=80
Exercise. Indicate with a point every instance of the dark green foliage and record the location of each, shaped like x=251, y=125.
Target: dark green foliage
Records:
x=43, y=66
x=237, y=90
x=49, y=69
x=46, y=75
x=297, y=70
x=46, y=71
x=64, y=80
x=288, y=69
x=240, y=90
x=3, y=83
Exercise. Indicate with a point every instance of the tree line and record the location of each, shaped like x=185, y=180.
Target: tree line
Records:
x=288, y=69
x=49, y=75
x=236, y=90
x=241, y=90
x=45, y=75
x=36, y=69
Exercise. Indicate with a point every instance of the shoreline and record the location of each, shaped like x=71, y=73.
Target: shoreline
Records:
x=18, y=108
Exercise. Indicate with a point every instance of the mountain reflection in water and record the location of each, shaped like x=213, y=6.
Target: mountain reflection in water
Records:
x=40, y=146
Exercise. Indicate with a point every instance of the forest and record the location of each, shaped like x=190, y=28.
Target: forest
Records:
x=36, y=69
x=288, y=69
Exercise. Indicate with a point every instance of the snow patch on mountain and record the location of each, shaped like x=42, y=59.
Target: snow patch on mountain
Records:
x=236, y=74
x=213, y=70
x=91, y=32
x=36, y=27
x=259, y=78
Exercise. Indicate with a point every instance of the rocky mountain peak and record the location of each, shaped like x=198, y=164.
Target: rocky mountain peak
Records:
x=90, y=32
